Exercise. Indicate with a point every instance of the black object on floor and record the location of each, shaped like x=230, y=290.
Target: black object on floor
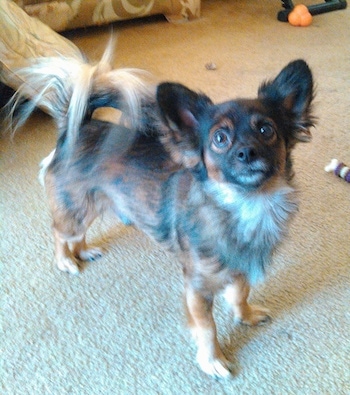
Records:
x=328, y=5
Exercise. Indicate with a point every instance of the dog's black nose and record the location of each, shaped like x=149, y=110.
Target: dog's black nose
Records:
x=246, y=154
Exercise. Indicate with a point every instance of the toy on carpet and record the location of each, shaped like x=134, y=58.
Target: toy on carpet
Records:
x=314, y=9
x=339, y=169
x=300, y=16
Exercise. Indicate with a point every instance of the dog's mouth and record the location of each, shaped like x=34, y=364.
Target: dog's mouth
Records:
x=252, y=175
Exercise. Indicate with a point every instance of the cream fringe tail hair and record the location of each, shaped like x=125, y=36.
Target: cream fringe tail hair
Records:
x=63, y=87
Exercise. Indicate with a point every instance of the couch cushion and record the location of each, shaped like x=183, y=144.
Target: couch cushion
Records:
x=64, y=14
x=23, y=38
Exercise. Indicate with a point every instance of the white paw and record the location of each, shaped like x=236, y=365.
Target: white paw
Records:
x=90, y=254
x=216, y=367
x=68, y=265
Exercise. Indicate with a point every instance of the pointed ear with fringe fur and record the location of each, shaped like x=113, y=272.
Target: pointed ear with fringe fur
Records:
x=181, y=110
x=292, y=92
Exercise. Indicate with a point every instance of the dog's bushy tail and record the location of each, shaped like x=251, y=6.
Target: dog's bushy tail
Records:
x=70, y=89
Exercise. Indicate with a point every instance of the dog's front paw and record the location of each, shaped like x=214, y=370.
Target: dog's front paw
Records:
x=68, y=264
x=254, y=315
x=217, y=367
x=89, y=254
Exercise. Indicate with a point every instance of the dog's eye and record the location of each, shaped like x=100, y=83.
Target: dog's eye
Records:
x=221, y=139
x=266, y=130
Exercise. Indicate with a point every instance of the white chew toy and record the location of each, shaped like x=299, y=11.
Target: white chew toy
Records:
x=339, y=169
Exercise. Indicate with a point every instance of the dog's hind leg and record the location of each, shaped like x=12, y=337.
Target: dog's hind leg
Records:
x=209, y=355
x=70, y=246
x=85, y=253
x=73, y=211
x=65, y=259
x=236, y=294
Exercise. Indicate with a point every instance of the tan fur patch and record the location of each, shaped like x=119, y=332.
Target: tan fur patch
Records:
x=213, y=170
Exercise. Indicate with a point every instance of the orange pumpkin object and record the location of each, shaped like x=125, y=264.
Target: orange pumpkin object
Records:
x=300, y=16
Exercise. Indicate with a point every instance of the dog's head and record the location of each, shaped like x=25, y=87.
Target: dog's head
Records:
x=243, y=142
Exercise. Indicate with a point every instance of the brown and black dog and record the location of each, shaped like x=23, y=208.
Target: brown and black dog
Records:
x=209, y=181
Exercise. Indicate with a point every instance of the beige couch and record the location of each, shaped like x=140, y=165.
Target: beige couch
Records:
x=71, y=14
x=28, y=27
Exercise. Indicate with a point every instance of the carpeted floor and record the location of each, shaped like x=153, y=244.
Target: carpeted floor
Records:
x=119, y=327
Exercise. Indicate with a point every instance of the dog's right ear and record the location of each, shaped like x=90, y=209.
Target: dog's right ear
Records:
x=181, y=110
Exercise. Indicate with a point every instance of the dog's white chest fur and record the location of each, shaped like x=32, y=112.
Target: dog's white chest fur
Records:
x=260, y=216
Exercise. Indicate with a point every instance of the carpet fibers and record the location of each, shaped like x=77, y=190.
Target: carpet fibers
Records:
x=119, y=327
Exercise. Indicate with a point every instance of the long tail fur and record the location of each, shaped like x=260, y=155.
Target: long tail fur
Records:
x=69, y=89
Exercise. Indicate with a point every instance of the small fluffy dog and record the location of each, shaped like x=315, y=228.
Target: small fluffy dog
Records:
x=211, y=182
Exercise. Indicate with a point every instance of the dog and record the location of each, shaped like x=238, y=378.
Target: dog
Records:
x=210, y=182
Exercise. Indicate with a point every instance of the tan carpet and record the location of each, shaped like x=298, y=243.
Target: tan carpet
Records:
x=118, y=328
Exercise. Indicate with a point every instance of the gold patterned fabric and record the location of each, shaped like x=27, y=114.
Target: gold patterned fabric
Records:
x=28, y=27
x=70, y=14
x=23, y=38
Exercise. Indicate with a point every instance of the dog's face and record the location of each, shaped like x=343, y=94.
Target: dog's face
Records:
x=242, y=142
x=244, y=146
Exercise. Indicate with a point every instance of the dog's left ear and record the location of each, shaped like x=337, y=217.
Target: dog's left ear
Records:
x=292, y=92
x=182, y=110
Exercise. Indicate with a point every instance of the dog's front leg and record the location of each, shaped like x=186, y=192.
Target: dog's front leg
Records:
x=236, y=294
x=209, y=356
